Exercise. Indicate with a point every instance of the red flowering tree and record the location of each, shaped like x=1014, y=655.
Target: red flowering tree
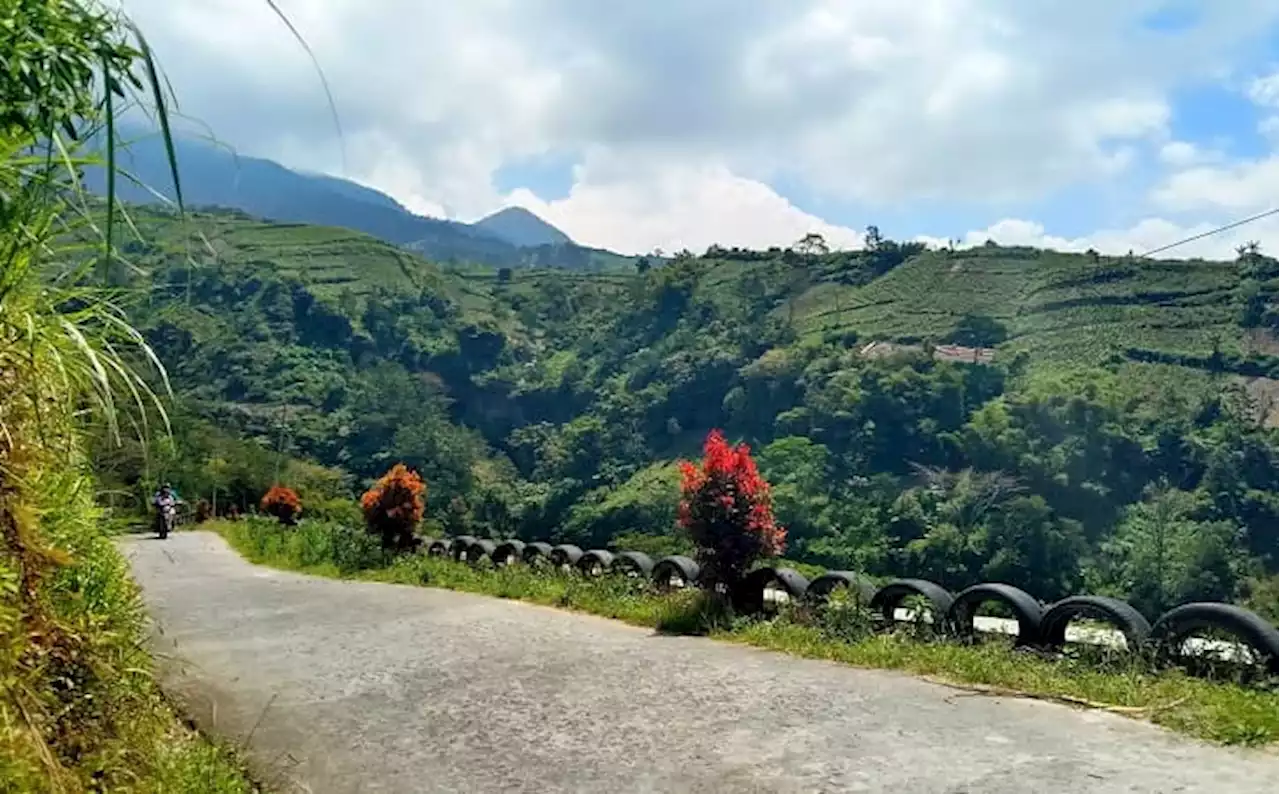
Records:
x=726, y=508
x=283, y=503
x=394, y=506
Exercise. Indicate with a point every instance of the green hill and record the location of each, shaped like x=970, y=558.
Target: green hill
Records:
x=539, y=400
x=1069, y=307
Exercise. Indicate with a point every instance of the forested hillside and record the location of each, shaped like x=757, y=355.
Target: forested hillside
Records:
x=1114, y=441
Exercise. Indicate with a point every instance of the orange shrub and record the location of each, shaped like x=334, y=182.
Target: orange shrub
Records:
x=282, y=503
x=394, y=506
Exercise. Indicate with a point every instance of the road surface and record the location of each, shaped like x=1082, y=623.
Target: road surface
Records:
x=360, y=687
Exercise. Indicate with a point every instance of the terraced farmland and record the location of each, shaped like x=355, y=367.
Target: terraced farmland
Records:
x=1058, y=306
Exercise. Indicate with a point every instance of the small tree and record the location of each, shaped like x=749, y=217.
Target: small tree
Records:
x=282, y=503
x=727, y=510
x=394, y=506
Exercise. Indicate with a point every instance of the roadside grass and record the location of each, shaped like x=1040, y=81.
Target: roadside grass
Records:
x=80, y=709
x=1218, y=711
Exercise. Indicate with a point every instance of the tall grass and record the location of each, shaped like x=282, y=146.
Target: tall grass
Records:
x=79, y=709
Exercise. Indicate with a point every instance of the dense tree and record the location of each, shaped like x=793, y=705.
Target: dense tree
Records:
x=553, y=404
x=1164, y=554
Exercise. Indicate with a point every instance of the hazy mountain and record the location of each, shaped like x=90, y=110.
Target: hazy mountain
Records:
x=214, y=176
x=521, y=227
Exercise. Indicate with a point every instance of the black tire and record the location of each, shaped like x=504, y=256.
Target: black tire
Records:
x=459, y=545
x=437, y=548
x=566, y=555
x=1026, y=609
x=507, y=552
x=537, y=553
x=673, y=567
x=820, y=589
x=887, y=598
x=633, y=563
x=748, y=596
x=595, y=562
x=1121, y=614
x=1179, y=623
x=477, y=551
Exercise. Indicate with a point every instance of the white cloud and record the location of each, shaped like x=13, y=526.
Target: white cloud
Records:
x=1265, y=91
x=881, y=102
x=1146, y=235
x=1252, y=185
x=1270, y=129
x=635, y=206
x=1184, y=153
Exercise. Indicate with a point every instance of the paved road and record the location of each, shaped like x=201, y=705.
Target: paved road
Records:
x=359, y=687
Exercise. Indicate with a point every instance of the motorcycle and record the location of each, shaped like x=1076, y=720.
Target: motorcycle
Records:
x=166, y=518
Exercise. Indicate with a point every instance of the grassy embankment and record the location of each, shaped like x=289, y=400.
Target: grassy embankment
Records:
x=1217, y=711
x=80, y=709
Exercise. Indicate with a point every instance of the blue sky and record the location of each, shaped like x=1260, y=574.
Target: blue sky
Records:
x=673, y=124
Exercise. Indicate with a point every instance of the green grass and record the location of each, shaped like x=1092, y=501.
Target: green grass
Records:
x=112, y=728
x=1217, y=711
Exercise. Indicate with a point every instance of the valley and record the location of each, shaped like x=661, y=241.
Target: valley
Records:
x=1107, y=390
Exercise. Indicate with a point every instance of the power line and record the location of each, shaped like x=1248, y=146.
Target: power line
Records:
x=1209, y=233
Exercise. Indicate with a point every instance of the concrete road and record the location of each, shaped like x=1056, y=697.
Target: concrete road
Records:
x=358, y=687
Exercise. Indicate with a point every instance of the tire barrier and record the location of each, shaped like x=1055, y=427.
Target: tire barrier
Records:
x=1123, y=617
x=480, y=550
x=750, y=594
x=1181, y=623
x=508, y=552
x=459, y=545
x=437, y=547
x=594, y=563
x=1028, y=611
x=888, y=598
x=674, y=572
x=820, y=589
x=1039, y=625
x=635, y=564
x=565, y=556
x=536, y=554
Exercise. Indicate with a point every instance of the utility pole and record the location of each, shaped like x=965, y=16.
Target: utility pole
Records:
x=284, y=423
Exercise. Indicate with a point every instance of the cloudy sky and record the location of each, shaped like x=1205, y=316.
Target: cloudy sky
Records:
x=1117, y=124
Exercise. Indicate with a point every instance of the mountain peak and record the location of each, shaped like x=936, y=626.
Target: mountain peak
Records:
x=522, y=227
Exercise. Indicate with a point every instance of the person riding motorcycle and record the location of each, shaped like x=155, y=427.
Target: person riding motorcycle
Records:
x=166, y=504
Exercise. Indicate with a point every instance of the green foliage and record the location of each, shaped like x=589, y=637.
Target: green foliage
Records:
x=79, y=707
x=1165, y=553
x=656, y=546
x=978, y=330
x=541, y=403
x=643, y=506
x=959, y=529
x=53, y=54
x=315, y=544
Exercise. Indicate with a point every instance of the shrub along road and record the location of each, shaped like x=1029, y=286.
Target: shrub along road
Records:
x=341, y=686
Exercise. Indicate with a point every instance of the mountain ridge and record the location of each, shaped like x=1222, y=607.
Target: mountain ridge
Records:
x=214, y=176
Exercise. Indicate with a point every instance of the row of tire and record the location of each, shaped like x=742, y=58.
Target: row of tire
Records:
x=1039, y=624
